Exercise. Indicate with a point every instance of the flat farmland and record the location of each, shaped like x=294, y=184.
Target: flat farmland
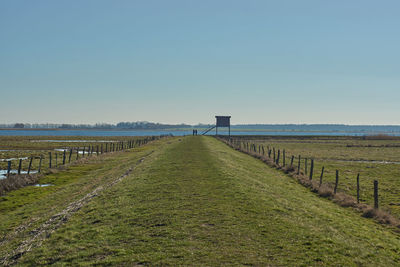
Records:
x=187, y=201
x=13, y=148
x=374, y=158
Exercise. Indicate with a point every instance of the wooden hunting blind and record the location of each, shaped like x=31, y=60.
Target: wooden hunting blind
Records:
x=223, y=121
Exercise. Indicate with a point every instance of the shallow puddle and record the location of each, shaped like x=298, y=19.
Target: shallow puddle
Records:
x=74, y=152
x=73, y=141
x=10, y=159
x=3, y=173
x=43, y=185
x=370, y=161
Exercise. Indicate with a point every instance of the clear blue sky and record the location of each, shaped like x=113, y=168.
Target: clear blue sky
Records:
x=186, y=61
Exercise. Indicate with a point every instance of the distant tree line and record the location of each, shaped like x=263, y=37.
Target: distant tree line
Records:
x=140, y=125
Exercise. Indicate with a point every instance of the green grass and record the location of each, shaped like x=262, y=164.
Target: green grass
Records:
x=198, y=202
x=28, y=207
x=344, y=154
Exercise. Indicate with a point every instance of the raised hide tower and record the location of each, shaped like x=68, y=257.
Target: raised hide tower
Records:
x=223, y=121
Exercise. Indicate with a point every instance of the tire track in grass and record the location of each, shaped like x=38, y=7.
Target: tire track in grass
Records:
x=56, y=221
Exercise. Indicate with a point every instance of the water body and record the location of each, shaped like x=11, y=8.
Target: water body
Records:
x=369, y=161
x=3, y=173
x=42, y=185
x=67, y=151
x=89, y=133
x=72, y=141
x=286, y=130
x=10, y=159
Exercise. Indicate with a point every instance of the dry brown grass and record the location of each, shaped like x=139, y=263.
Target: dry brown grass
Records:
x=344, y=200
x=14, y=182
x=325, y=191
x=381, y=216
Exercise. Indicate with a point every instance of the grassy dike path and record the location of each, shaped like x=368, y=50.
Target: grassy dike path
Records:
x=195, y=201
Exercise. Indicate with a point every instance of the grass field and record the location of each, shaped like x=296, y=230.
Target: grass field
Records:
x=373, y=158
x=15, y=147
x=193, y=201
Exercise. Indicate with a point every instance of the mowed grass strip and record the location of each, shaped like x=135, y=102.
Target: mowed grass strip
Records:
x=198, y=202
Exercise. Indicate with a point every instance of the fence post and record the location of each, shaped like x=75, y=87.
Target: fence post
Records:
x=358, y=188
x=56, y=158
x=305, y=166
x=376, y=204
x=83, y=151
x=64, y=157
x=336, y=182
x=311, y=169
x=97, y=150
x=40, y=163
x=298, y=167
x=101, y=148
x=77, y=153
x=322, y=175
x=278, y=157
x=263, y=151
x=284, y=158
x=70, y=155
x=49, y=160
x=30, y=165
x=8, y=168
x=19, y=166
x=291, y=161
